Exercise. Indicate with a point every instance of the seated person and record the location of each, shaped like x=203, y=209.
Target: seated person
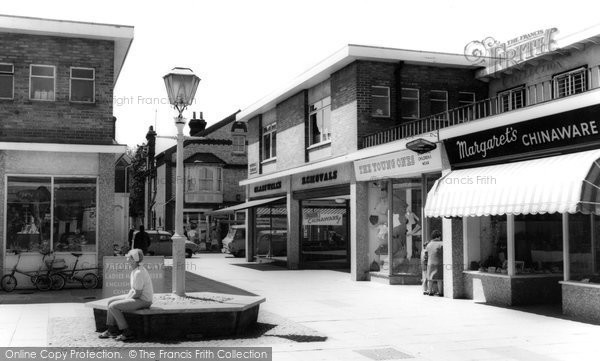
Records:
x=139, y=296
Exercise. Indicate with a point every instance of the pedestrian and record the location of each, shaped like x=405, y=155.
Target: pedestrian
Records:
x=424, y=268
x=130, y=237
x=435, y=264
x=141, y=240
x=140, y=296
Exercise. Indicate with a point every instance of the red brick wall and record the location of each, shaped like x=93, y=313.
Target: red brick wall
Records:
x=59, y=121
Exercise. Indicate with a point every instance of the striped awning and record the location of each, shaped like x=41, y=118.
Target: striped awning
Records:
x=249, y=204
x=324, y=211
x=271, y=211
x=567, y=183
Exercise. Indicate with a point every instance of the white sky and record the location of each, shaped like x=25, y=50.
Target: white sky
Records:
x=243, y=50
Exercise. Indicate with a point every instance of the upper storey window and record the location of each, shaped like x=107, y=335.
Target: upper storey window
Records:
x=410, y=103
x=380, y=101
x=7, y=81
x=270, y=141
x=42, y=82
x=320, y=121
x=82, y=85
x=512, y=99
x=569, y=83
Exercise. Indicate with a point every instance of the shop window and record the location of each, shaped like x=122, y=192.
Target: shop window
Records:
x=569, y=83
x=270, y=237
x=200, y=179
x=75, y=214
x=28, y=214
x=584, y=248
x=380, y=101
x=410, y=103
x=319, y=121
x=439, y=104
x=82, y=85
x=270, y=141
x=31, y=216
x=512, y=99
x=7, y=81
x=42, y=82
x=239, y=143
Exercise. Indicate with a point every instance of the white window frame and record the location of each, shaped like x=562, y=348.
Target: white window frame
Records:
x=445, y=92
x=12, y=75
x=216, y=178
x=44, y=77
x=569, y=76
x=238, y=148
x=462, y=103
x=388, y=97
x=409, y=98
x=269, y=130
x=320, y=106
x=511, y=97
x=93, y=80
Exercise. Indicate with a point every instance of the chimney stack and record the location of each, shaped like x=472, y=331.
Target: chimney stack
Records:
x=197, y=125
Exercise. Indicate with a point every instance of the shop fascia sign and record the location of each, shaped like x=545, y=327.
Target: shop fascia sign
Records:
x=323, y=177
x=317, y=218
x=274, y=186
x=404, y=163
x=497, y=56
x=567, y=131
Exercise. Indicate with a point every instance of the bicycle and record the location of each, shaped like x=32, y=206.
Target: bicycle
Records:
x=88, y=281
x=42, y=282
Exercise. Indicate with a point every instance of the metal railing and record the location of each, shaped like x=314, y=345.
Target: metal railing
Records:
x=575, y=82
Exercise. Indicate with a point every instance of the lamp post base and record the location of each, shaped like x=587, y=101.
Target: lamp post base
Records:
x=179, y=264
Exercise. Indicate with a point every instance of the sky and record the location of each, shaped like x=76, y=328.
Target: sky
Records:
x=244, y=50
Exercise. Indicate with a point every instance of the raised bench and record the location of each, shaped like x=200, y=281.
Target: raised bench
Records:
x=199, y=314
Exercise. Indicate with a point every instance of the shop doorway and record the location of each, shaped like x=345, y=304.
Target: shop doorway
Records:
x=325, y=233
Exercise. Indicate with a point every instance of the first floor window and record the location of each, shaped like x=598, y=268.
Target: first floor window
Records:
x=320, y=121
x=410, y=103
x=7, y=78
x=82, y=85
x=512, y=99
x=51, y=213
x=239, y=143
x=203, y=179
x=569, y=83
x=270, y=141
x=439, y=103
x=380, y=101
x=42, y=82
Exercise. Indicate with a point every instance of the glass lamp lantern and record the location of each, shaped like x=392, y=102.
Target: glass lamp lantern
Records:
x=181, y=84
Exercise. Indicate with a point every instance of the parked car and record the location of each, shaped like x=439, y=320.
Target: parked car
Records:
x=271, y=243
x=161, y=244
x=235, y=241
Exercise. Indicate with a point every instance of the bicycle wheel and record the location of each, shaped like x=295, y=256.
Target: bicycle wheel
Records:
x=89, y=281
x=8, y=283
x=58, y=281
x=43, y=283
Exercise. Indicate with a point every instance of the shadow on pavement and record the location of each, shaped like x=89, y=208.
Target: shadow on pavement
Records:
x=553, y=310
x=262, y=266
x=193, y=283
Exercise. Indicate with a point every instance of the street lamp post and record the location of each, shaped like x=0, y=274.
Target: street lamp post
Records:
x=181, y=84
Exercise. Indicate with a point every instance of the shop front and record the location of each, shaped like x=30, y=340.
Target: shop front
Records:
x=55, y=206
x=322, y=196
x=525, y=197
x=395, y=185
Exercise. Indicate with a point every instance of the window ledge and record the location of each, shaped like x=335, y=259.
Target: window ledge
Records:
x=580, y=284
x=269, y=161
x=380, y=116
x=85, y=103
x=320, y=145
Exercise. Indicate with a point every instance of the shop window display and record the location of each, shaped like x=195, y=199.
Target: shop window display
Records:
x=584, y=250
x=406, y=228
x=28, y=214
x=270, y=238
x=75, y=214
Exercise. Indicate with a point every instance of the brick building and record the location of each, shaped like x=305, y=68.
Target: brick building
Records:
x=361, y=157
x=57, y=130
x=214, y=166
